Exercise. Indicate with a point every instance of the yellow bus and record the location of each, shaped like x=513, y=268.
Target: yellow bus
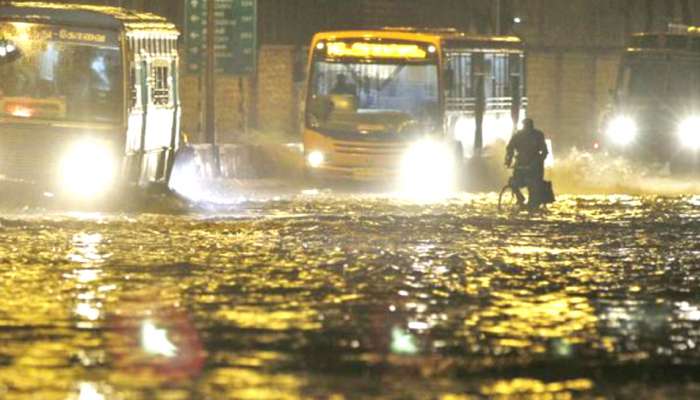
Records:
x=88, y=97
x=408, y=104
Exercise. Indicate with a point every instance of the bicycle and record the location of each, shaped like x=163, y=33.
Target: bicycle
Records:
x=507, y=198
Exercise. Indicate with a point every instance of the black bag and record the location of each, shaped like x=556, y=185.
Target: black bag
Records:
x=546, y=193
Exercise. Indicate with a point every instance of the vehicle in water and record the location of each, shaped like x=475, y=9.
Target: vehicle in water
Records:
x=407, y=103
x=88, y=97
x=654, y=117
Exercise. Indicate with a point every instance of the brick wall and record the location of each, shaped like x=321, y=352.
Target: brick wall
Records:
x=277, y=104
x=568, y=90
x=265, y=104
x=234, y=97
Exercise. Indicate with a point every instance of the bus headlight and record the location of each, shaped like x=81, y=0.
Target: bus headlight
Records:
x=315, y=159
x=622, y=130
x=689, y=133
x=88, y=168
x=428, y=169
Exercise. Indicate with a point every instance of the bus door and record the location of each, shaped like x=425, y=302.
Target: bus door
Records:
x=153, y=119
x=138, y=86
x=161, y=118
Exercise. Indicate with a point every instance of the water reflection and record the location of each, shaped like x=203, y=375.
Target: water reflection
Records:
x=155, y=340
x=150, y=335
x=535, y=388
x=403, y=342
x=87, y=252
x=85, y=248
x=541, y=324
x=88, y=391
x=359, y=297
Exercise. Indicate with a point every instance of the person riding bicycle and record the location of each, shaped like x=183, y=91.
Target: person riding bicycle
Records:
x=530, y=150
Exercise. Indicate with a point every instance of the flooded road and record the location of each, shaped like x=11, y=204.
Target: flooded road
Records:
x=335, y=297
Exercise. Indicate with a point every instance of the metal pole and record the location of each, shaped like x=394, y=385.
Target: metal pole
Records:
x=209, y=87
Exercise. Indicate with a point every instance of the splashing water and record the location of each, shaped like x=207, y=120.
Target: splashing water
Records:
x=583, y=172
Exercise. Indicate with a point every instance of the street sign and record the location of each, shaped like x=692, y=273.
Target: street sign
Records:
x=235, y=38
x=242, y=38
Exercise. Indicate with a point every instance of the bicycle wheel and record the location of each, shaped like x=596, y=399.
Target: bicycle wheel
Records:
x=507, y=201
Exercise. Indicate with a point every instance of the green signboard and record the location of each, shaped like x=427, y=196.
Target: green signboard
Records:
x=234, y=39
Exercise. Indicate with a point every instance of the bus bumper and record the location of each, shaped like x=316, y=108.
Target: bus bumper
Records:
x=357, y=174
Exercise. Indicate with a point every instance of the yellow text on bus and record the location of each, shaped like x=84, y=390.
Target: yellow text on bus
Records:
x=375, y=50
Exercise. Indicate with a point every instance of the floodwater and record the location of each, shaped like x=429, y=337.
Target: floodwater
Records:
x=342, y=297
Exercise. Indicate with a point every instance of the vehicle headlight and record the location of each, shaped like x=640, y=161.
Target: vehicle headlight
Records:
x=315, y=159
x=428, y=169
x=689, y=132
x=88, y=168
x=622, y=130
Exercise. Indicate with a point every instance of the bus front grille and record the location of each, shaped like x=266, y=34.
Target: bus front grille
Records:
x=384, y=149
x=655, y=138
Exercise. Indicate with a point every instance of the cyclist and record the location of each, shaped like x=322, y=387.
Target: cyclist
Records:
x=530, y=150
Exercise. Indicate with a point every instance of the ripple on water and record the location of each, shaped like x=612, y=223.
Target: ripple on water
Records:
x=342, y=296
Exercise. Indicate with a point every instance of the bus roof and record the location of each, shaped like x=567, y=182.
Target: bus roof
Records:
x=101, y=17
x=448, y=37
x=688, y=42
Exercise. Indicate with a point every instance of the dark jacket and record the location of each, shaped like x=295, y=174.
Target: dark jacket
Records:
x=529, y=147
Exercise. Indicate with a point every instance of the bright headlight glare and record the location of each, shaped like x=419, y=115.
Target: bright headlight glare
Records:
x=88, y=168
x=315, y=159
x=622, y=130
x=428, y=170
x=689, y=133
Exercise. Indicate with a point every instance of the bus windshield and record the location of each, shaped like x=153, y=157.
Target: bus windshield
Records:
x=53, y=74
x=370, y=98
x=662, y=78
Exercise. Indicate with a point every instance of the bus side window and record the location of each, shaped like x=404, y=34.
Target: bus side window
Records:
x=133, y=96
x=137, y=82
x=459, y=84
x=515, y=72
x=479, y=72
x=449, y=79
x=496, y=73
x=161, y=84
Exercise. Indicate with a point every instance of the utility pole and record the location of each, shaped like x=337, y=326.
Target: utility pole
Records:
x=210, y=87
